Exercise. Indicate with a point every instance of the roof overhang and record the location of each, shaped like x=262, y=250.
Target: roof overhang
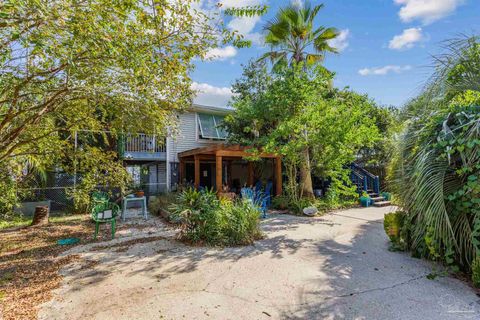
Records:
x=225, y=150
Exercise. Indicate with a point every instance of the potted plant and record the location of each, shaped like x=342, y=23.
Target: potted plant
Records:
x=365, y=200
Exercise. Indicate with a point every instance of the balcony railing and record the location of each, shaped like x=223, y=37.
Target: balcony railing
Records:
x=142, y=147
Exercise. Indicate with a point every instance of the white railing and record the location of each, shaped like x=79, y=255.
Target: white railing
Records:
x=144, y=143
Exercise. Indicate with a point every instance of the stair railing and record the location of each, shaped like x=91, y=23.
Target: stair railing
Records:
x=369, y=180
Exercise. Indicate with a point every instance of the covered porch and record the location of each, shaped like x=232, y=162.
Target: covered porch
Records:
x=224, y=168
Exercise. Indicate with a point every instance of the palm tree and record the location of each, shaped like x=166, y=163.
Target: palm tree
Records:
x=292, y=33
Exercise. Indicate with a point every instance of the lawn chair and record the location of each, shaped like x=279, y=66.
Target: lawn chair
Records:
x=104, y=213
x=268, y=193
x=99, y=197
x=257, y=199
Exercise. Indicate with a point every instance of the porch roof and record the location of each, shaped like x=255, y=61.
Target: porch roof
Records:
x=225, y=150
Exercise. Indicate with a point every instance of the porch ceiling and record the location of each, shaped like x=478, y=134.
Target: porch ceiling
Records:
x=224, y=150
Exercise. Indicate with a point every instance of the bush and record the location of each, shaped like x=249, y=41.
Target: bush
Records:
x=159, y=204
x=394, y=225
x=205, y=219
x=476, y=272
x=280, y=202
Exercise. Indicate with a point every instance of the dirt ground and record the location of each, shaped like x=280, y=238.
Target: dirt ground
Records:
x=332, y=267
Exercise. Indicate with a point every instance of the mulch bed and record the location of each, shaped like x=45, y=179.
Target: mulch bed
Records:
x=30, y=264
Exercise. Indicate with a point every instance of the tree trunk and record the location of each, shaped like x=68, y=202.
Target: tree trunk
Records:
x=40, y=217
x=306, y=176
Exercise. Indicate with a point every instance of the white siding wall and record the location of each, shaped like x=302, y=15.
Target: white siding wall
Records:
x=187, y=137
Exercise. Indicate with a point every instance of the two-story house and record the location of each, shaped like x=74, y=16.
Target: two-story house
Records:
x=190, y=155
x=153, y=162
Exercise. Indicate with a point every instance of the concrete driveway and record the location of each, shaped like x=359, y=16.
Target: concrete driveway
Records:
x=333, y=267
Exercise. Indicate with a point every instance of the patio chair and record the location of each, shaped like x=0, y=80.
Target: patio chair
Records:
x=105, y=213
x=100, y=197
x=257, y=199
x=268, y=193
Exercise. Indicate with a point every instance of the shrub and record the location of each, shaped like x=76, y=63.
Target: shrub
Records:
x=393, y=224
x=476, y=272
x=241, y=223
x=280, y=202
x=159, y=204
x=205, y=219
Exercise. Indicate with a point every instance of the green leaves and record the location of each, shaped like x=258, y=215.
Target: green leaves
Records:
x=248, y=11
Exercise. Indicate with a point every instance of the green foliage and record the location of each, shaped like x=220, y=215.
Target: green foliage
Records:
x=205, y=219
x=394, y=224
x=476, y=272
x=96, y=67
x=295, y=109
x=161, y=202
x=438, y=156
x=248, y=11
x=293, y=31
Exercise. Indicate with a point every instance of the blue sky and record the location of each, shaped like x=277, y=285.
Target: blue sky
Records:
x=386, y=45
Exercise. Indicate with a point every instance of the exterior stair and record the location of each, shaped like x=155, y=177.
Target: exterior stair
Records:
x=369, y=183
x=378, y=200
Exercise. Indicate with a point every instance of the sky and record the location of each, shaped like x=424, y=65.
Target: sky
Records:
x=386, y=46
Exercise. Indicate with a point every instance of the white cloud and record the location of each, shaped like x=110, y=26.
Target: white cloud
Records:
x=426, y=11
x=221, y=53
x=297, y=3
x=381, y=71
x=407, y=39
x=340, y=42
x=211, y=95
x=243, y=25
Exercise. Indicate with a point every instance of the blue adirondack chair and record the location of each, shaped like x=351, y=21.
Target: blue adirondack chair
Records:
x=268, y=193
x=257, y=199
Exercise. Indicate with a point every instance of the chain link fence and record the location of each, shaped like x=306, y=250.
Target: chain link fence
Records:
x=60, y=198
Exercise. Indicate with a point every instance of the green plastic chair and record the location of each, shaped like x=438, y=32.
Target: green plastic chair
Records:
x=104, y=213
x=100, y=197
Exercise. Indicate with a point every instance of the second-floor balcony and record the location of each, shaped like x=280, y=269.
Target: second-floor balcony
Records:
x=142, y=147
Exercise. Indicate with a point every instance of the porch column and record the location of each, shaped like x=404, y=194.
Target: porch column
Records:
x=197, y=171
x=218, y=173
x=278, y=176
x=250, y=174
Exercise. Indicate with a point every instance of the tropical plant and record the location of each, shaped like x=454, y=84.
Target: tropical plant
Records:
x=205, y=219
x=438, y=157
x=292, y=32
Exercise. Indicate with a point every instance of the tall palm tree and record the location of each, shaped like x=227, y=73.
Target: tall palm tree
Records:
x=292, y=33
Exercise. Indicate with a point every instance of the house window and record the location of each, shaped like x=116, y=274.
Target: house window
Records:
x=209, y=126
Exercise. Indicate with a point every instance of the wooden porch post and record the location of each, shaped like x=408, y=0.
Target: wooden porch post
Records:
x=278, y=175
x=250, y=174
x=218, y=173
x=197, y=171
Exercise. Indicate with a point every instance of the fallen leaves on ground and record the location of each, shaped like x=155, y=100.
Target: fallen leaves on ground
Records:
x=30, y=262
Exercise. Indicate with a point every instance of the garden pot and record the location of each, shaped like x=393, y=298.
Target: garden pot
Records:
x=139, y=194
x=365, y=201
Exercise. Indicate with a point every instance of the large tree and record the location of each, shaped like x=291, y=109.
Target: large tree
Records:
x=272, y=110
x=291, y=35
x=95, y=66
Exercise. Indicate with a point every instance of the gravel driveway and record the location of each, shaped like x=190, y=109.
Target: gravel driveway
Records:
x=333, y=267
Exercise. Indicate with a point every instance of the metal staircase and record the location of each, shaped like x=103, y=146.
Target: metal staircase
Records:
x=368, y=182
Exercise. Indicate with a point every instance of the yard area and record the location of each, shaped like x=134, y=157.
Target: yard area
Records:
x=333, y=267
